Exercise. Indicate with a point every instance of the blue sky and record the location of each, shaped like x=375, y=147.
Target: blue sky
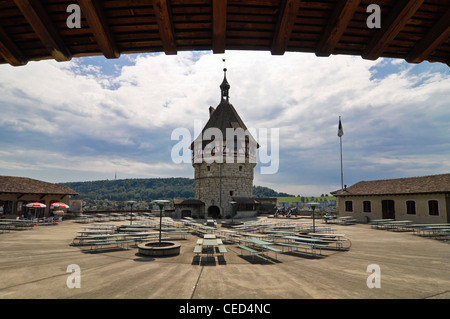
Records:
x=91, y=118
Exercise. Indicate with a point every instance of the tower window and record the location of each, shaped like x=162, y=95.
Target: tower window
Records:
x=231, y=193
x=208, y=168
x=240, y=168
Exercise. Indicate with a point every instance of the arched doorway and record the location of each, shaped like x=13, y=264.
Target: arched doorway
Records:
x=213, y=212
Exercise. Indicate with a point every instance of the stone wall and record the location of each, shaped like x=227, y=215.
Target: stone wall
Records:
x=421, y=203
x=216, y=183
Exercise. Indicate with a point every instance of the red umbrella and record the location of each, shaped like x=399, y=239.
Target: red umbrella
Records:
x=59, y=205
x=35, y=205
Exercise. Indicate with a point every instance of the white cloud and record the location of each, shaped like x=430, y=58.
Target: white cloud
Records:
x=122, y=118
x=103, y=165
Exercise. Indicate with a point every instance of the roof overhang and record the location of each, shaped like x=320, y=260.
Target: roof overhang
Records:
x=413, y=30
x=342, y=194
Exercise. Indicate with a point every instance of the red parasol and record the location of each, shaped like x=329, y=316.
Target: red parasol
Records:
x=59, y=205
x=35, y=205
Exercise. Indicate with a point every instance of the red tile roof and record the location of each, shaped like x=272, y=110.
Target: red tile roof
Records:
x=409, y=185
x=24, y=185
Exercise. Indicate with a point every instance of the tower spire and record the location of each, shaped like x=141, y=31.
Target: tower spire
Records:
x=225, y=86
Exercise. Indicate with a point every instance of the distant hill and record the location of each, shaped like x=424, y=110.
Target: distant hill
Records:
x=148, y=189
x=304, y=199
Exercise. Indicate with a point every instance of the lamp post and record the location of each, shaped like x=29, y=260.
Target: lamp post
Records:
x=131, y=203
x=313, y=206
x=160, y=203
x=232, y=211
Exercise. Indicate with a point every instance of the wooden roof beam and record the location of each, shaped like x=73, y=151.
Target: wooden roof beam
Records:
x=283, y=30
x=164, y=19
x=341, y=16
x=439, y=33
x=9, y=51
x=40, y=22
x=391, y=26
x=99, y=26
x=219, y=25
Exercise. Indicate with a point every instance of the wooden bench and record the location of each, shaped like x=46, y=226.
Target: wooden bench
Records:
x=222, y=249
x=198, y=249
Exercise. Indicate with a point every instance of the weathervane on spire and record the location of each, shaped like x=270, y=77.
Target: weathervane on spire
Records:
x=225, y=86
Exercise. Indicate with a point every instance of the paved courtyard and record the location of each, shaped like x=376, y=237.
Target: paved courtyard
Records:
x=34, y=264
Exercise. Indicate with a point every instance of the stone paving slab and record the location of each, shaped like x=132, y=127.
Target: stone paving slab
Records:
x=33, y=264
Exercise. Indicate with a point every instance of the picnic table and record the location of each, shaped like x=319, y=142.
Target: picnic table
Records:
x=279, y=232
x=134, y=226
x=229, y=235
x=84, y=219
x=300, y=226
x=318, y=228
x=331, y=238
x=15, y=224
x=101, y=217
x=284, y=227
x=391, y=224
x=94, y=232
x=211, y=223
x=201, y=229
x=432, y=230
x=182, y=231
x=263, y=245
x=398, y=225
x=6, y=226
x=117, y=216
x=345, y=220
x=209, y=246
x=100, y=241
x=144, y=236
x=102, y=226
x=326, y=235
x=303, y=239
x=251, y=235
x=376, y=223
x=310, y=244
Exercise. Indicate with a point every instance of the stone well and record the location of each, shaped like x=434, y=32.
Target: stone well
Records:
x=164, y=248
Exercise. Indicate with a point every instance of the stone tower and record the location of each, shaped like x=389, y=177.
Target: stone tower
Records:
x=224, y=157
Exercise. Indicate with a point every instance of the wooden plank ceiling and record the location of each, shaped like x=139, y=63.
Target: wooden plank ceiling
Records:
x=414, y=30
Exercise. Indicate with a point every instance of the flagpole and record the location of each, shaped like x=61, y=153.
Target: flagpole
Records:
x=340, y=133
x=342, y=170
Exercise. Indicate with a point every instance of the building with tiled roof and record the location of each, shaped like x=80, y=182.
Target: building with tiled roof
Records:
x=16, y=192
x=422, y=199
